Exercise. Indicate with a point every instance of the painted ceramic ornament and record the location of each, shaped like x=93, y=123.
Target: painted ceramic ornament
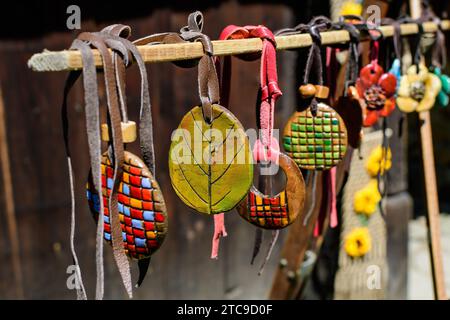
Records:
x=418, y=90
x=210, y=164
x=376, y=90
x=316, y=141
x=443, y=96
x=142, y=211
x=276, y=212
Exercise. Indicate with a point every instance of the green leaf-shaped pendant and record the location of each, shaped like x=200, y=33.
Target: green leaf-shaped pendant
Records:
x=316, y=142
x=276, y=212
x=210, y=164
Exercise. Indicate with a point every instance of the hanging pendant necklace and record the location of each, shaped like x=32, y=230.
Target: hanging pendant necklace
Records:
x=210, y=162
x=141, y=206
x=258, y=208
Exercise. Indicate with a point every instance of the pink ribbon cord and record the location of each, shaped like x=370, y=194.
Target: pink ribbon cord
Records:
x=219, y=231
x=333, y=209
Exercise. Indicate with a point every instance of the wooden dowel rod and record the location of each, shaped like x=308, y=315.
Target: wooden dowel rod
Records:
x=71, y=59
x=433, y=212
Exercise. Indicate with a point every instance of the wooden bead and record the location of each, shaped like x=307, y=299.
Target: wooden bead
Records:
x=352, y=92
x=322, y=92
x=307, y=91
x=129, y=133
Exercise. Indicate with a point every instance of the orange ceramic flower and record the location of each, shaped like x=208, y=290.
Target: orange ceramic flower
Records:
x=376, y=90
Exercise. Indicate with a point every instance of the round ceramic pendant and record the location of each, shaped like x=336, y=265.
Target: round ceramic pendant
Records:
x=210, y=164
x=281, y=210
x=316, y=142
x=142, y=210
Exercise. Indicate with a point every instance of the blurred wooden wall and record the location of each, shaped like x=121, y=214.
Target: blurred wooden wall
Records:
x=182, y=268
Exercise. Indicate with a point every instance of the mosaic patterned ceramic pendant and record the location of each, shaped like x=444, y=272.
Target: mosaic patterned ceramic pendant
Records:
x=142, y=211
x=316, y=142
x=210, y=164
x=281, y=210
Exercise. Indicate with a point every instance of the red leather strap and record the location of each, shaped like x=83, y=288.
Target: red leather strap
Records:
x=375, y=48
x=268, y=81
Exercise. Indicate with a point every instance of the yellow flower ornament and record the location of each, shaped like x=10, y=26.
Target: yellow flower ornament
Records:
x=379, y=161
x=418, y=90
x=366, y=200
x=358, y=242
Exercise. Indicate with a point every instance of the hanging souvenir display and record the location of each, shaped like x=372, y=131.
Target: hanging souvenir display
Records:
x=376, y=89
x=316, y=136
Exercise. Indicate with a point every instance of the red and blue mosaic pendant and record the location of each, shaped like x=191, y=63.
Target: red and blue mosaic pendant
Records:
x=142, y=211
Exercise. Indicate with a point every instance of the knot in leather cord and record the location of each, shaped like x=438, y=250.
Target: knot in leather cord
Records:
x=353, y=32
x=193, y=32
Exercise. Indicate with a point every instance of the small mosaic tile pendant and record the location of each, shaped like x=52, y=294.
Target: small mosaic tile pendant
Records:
x=142, y=211
x=281, y=210
x=316, y=142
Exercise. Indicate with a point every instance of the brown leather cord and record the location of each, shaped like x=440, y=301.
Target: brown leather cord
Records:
x=98, y=41
x=314, y=27
x=94, y=142
x=207, y=76
x=145, y=115
x=73, y=76
x=114, y=120
x=439, y=49
x=352, y=71
x=208, y=81
x=397, y=37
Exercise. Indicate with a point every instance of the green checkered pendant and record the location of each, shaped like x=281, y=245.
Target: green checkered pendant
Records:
x=316, y=142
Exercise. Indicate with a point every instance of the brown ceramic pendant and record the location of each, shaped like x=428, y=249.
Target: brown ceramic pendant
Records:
x=316, y=142
x=210, y=164
x=142, y=211
x=281, y=210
